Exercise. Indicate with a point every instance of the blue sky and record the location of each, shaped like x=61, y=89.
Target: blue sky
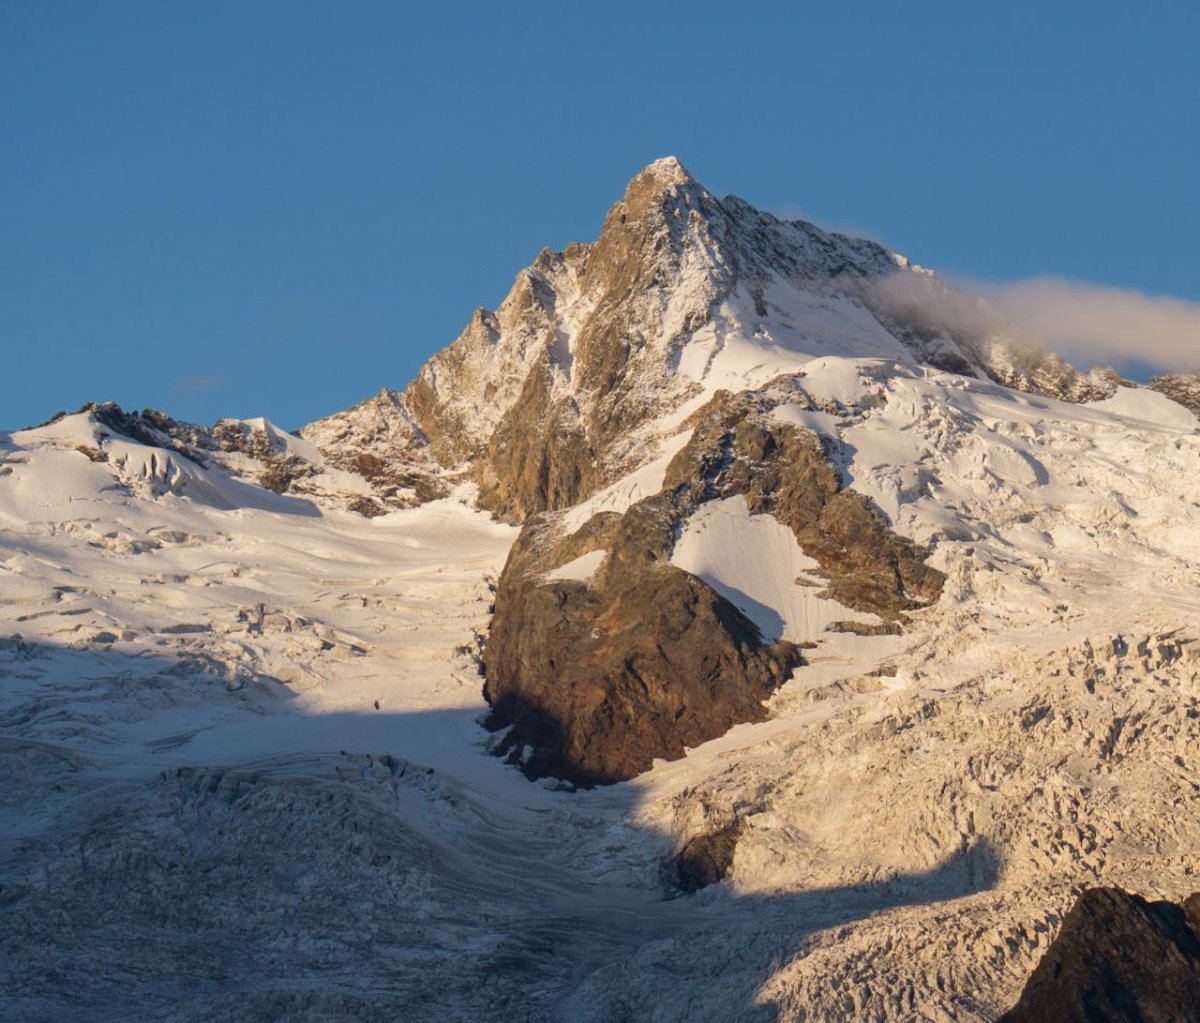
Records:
x=276, y=209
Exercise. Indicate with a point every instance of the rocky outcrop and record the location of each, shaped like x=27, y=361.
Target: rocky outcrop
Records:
x=704, y=859
x=1183, y=388
x=602, y=655
x=1036, y=371
x=379, y=440
x=956, y=331
x=539, y=456
x=737, y=448
x=595, y=677
x=373, y=466
x=1118, y=959
x=147, y=427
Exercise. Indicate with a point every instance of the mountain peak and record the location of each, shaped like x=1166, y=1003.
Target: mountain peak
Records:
x=667, y=168
x=663, y=179
x=541, y=401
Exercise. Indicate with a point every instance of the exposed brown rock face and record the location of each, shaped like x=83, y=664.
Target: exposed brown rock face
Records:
x=1031, y=369
x=379, y=440
x=1183, y=388
x=1118, y=959
x=598, y=677
x=785, y=471
x=539, y=456
x=540, y=397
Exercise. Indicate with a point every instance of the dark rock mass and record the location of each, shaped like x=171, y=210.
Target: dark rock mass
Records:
x=1118, y=959
x=737, y=449
x=597, y=678
x=705, y=859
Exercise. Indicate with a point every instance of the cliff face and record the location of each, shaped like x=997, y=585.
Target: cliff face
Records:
x=542, y=397
x=598, y=676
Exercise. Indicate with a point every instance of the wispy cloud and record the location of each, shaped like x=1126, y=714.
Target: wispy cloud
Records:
x=1091, y=322
x=1088, y=324
x=283, y=320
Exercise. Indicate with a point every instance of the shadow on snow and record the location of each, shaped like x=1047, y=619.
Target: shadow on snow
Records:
x=261, y=863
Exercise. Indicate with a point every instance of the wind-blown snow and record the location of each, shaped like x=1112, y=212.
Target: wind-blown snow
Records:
x=1149, y=407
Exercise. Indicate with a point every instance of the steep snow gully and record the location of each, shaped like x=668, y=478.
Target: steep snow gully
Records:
x=244, y=769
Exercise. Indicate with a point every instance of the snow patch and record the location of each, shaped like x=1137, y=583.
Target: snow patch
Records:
x=1151, y=407
x=581, y=569
x=755, y=562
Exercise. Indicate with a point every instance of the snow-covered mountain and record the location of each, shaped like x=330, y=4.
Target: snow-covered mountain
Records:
x=882, y=622
x=600, y=350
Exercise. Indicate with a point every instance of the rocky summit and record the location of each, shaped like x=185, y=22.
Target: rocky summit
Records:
x=740, y=622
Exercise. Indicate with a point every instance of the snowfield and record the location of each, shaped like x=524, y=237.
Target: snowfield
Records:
x=243, y=773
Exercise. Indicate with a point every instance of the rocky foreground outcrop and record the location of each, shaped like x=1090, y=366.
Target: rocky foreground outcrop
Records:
x=597, y=673
x=1118, y=959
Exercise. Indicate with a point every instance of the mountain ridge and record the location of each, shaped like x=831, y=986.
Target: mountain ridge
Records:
x=554, y=396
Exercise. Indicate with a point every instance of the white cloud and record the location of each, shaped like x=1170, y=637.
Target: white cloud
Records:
x=1089, y=322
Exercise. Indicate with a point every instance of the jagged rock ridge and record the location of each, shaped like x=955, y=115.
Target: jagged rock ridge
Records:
x=373, y=464
x=1183, y=388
